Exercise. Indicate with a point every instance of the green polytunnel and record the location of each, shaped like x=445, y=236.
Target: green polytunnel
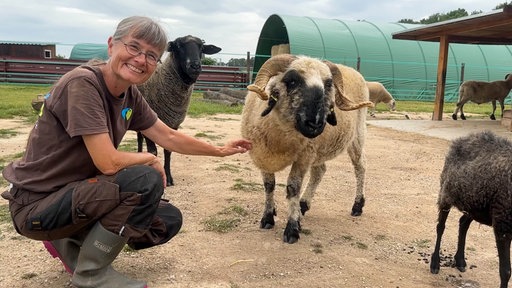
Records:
x=88, y=51
x=407, y=68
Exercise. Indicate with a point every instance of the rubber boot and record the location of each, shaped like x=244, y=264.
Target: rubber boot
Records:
x=93, y=269
x=66, y=250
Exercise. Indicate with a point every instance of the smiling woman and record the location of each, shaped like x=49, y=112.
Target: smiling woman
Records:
x=107, y=197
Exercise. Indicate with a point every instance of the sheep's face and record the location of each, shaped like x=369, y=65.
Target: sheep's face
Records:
x=304, y=95
x=188, y=51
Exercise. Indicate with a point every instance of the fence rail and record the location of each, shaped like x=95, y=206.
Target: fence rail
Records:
x=212, y=78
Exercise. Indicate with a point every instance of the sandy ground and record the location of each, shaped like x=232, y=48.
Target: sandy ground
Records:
x=388, y=246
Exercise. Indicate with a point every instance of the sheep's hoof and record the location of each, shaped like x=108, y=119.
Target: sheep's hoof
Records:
x=492, y=117
x=291, y=232
x=303, y=207
x=454, y=116
x=462, y=117
x=267, y=222
x=357, y=208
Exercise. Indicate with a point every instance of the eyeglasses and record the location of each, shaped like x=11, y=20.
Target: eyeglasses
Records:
x=134, y=50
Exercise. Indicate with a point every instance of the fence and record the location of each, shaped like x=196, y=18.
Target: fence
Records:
x=212, y=78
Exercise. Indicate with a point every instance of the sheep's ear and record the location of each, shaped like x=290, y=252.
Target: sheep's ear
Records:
x=342, y=102
x=172, y=46
x=272, y=101
x=211, y=49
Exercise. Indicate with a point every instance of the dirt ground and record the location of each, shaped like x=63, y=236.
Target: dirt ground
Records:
x=388, y=246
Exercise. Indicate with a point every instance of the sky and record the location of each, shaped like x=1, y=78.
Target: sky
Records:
x=233, y=25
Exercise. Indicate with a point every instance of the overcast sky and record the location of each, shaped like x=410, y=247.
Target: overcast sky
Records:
x=233, y=25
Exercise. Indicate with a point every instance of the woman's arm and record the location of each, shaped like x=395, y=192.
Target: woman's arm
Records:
x=109, y=160
x=176, y=141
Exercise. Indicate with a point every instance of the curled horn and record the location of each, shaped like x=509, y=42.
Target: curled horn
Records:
x=342, y=102
x=271, y=67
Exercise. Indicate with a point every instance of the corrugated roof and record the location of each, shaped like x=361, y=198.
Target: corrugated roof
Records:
x=27, y=42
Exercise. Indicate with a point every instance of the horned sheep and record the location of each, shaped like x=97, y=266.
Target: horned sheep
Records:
x=482, y=92
x=379, y=94
x=476, y=179
x=301, y=95
x=169, y=89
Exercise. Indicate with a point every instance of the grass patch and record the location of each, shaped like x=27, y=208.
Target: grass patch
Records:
x=421, y=243
x=361, y=245
x=29, y=275
x=226, y=220
x=128, y=145
x=198, y=107
x=5, y=216
x=228, y=167
x=207, y=136
x=241, y=185
x=17, y=100
x=7, y=133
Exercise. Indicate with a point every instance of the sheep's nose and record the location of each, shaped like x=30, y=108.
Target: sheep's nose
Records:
x=196, y=65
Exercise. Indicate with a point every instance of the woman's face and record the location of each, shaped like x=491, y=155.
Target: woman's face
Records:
x=132, y=60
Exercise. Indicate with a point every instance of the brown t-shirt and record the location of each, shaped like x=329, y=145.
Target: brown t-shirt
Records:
x=79, y=104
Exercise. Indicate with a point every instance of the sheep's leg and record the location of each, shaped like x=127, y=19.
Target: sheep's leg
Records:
x=493, y=110
x=358, y=158
x=459, y=106
x=464, y=222
x=167, y=167
x=503, y=245
x=151, y=146
x=140, y=141
x=269, y=181
x=502, y=105
x=441, y=222
x=316, y=174
x=294, y=183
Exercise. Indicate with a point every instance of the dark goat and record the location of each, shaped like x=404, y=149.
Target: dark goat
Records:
x=477, y=179
x=168, y=91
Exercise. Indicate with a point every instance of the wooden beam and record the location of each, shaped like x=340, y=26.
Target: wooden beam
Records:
x=441, y=78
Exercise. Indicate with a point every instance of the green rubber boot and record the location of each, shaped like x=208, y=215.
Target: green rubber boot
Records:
x=98, y=251
x=66, y=249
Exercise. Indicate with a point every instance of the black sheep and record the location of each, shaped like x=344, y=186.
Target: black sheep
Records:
x=477, y=179
x=169, y=90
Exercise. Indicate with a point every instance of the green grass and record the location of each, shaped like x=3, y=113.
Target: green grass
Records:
x=15, y=100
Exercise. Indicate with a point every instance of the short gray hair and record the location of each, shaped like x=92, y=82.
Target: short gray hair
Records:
x=142, y=28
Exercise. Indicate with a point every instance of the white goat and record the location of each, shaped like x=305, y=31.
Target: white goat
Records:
x=290, y=128
x=482, y=92
x=378, y=94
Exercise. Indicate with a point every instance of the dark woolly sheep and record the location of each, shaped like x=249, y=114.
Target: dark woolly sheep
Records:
x=477, y=179
x=169, y=90
x=482, y=92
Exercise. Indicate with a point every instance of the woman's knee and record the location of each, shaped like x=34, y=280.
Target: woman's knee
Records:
x=143, y=180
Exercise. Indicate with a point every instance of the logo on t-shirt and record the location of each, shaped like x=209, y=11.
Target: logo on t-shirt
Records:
x=126, y=113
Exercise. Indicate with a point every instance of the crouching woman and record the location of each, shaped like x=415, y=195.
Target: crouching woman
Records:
x=74, y=190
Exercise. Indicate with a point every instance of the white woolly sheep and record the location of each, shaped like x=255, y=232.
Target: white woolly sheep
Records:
x=169, y=89
x=290, y=128
x=477, y=179
x=482, y=92
x=379, y=94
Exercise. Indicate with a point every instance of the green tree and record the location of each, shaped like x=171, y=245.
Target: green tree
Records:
x=208, y=61
x=438, y=17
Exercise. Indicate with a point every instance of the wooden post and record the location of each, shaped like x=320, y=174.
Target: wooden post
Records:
x=441, y=78
x=248, y=65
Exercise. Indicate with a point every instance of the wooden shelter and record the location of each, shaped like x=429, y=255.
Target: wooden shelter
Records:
x=486, y=28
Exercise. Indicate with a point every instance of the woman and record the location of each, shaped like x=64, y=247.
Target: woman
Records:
x=74, y=189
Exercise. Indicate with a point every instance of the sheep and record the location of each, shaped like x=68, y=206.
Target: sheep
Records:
x=378, y=94
x=290, y=128
x=482, y=92
x=169, y=89
x=477, y=180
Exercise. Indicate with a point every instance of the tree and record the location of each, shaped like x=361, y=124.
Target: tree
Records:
x=208, y=61
x=438, y=17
